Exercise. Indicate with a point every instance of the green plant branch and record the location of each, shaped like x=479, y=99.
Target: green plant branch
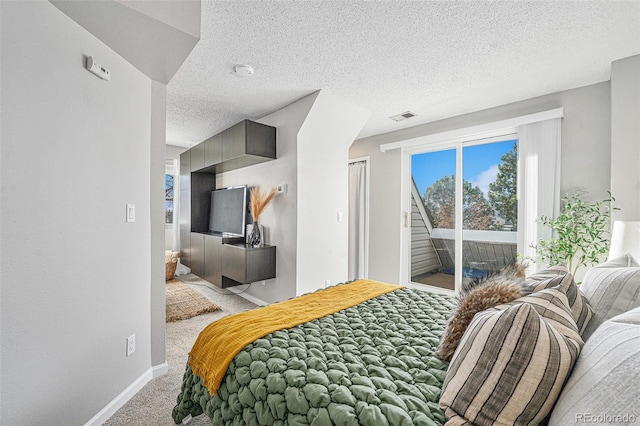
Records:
x=581, y=232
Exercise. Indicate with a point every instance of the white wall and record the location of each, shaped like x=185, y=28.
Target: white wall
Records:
x=385, y=209
x=157, y=170
x=586, y=154
x=74, y=150
x=625, y=137
x=173, y=152
x=165, y=31
x=323, y=193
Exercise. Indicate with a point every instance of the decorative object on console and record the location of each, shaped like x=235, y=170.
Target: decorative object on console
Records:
x=255, y=236
x=251, y=235
x=580, y=232
x=259, y=201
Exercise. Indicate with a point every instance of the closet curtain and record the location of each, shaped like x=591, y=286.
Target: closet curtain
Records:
x=357, y=219
x=540, y=192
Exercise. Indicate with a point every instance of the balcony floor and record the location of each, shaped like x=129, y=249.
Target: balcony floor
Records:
x=437, y=280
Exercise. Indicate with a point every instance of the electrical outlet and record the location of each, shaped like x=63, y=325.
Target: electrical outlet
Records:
x=131, y=344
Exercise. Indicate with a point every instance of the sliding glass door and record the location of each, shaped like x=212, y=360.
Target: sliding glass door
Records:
x=463, y=220
x=433, y=218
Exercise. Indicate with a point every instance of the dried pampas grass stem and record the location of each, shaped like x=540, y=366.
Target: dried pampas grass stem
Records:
x=260, y=200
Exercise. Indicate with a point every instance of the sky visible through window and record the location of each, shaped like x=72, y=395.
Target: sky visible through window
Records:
x=480, y=165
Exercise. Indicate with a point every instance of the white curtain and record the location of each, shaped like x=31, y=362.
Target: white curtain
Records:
x=540, y=174
x=357, y=219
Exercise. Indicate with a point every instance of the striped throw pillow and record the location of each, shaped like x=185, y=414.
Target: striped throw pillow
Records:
x=612, y=288
x=512, y=362
x=560, y=276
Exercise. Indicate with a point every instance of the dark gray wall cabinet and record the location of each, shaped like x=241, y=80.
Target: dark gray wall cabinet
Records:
x=241, y=145
x=226, y=262
x=213, y=150
x=245, y=264
x=244, y=144
x=201, y=186
x=213, y=267
x=197, y=254
x=197, y=157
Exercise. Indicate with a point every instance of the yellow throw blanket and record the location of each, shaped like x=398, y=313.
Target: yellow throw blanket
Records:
x=220, y=341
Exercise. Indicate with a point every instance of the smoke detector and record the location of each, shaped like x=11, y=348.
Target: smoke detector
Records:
x=243, y=70
x=403, y=116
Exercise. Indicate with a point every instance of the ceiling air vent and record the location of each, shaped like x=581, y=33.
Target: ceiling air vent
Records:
x=403, y=116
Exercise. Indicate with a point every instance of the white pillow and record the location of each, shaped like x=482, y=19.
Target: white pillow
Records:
x=611, y=289
x=603, y=387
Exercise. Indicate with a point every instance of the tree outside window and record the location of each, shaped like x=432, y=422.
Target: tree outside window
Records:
x=439, y=200
x=503, y=195
x=498, y=210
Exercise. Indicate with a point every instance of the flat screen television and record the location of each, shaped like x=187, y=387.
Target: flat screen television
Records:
x=229, y=211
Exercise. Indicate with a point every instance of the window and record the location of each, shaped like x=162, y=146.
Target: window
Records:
x=472, y=186
x=170, y=183
x=168, y=198
x=538, y=192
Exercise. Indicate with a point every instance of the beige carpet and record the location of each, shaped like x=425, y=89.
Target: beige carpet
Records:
x=183, y=302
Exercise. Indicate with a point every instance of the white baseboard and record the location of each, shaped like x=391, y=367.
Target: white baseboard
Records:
x=160, y=370
x=253, y=299
x=127, y=394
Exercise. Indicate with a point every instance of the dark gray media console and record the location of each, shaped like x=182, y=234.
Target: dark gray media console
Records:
x=222, y=261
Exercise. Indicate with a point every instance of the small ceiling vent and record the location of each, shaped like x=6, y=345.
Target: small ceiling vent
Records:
x=403, y=116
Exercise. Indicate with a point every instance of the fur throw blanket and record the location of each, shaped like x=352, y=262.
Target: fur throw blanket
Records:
x=478, y=295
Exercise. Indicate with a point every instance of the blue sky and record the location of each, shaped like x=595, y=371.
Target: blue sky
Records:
x=480, y=165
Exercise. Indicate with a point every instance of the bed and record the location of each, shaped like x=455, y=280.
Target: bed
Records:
x=375, y=363
x=371, y=364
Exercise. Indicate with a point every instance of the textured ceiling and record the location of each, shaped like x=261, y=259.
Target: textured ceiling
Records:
x=435, y=58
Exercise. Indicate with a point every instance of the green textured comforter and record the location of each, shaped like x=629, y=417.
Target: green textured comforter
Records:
x=372, y=364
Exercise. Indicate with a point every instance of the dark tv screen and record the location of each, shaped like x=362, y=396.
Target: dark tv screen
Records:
x=228, y=211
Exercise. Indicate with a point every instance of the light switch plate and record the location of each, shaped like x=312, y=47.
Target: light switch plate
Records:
x=131, y=213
